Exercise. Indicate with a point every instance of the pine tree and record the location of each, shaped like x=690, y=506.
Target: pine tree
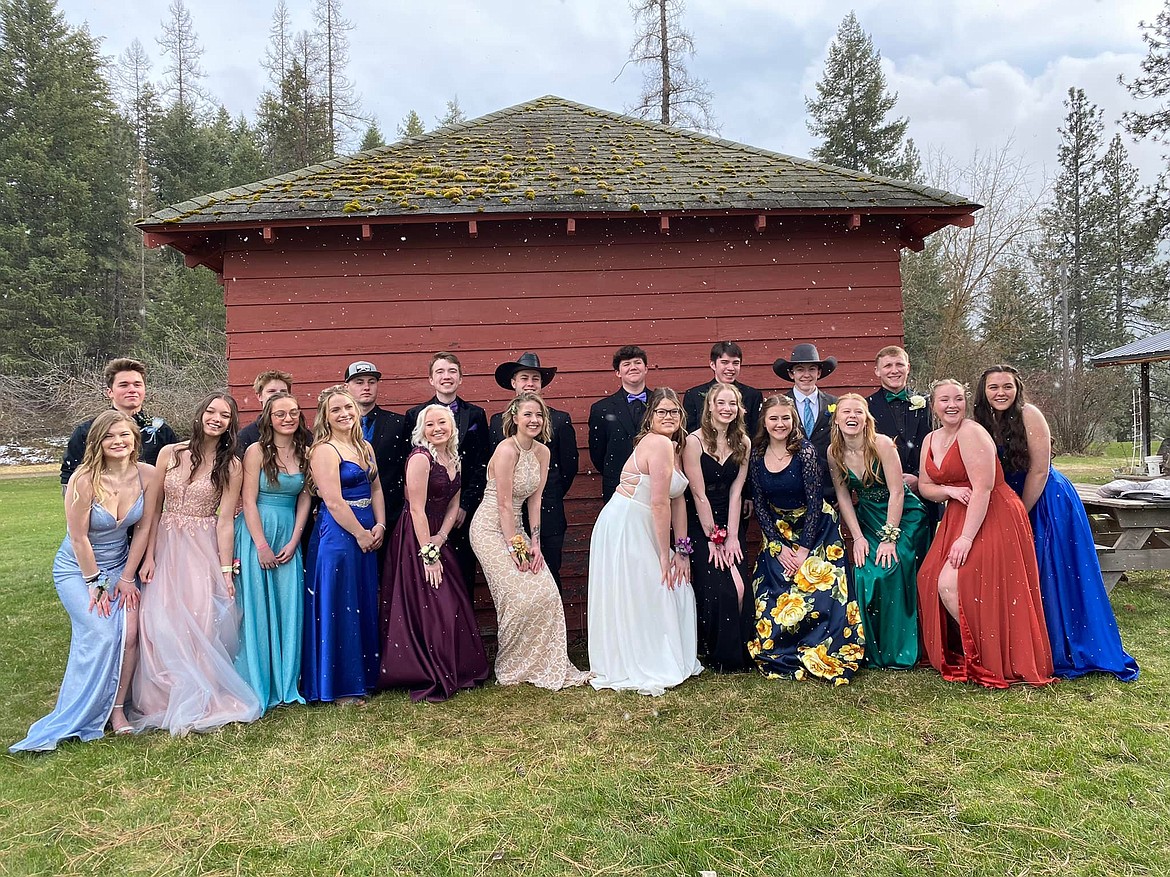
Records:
x=342, y=111
x=293, y=126
x=411, y=126
x=850, y=110
x=661, y=46
x=453, y=115
x=180, y=44
x=64, y=152
x=373, y=137
x=278, y=55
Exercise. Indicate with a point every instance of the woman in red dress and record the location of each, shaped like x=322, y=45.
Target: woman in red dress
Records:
x=979, y=587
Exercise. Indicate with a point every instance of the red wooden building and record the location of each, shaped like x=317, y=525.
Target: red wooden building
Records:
x=563, y=229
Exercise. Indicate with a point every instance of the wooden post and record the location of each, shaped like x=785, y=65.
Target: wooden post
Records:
x=1145, y=413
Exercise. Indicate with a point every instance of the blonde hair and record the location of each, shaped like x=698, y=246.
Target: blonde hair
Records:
x=419, y=440
x=93, y=461
x=871, y=472
x=323, y=430
x=513, y=409
x=891, y=350
x=736, y=430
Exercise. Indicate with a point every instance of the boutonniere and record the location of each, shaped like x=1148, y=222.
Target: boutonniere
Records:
x=917, y=402
x=832, y=407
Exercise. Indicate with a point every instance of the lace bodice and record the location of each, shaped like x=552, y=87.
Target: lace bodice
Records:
x=792, y=496
x=525, y=481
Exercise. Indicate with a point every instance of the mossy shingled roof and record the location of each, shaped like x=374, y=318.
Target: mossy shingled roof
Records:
x=551, y=155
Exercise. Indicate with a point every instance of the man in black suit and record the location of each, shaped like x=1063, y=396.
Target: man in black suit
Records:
x=616, y=419
x=526, y=375
x=385, y=430
x=901, y=415
x=267, y=384
x=814, y=407
x=446, y=376
x=726, y=361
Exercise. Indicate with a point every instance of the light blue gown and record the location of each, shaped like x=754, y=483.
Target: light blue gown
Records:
x=271, y=601
x=95, y=649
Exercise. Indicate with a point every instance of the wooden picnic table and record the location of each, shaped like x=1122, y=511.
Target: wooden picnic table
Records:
x=1130, y=534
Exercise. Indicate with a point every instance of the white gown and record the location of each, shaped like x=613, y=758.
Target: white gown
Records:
x=642, y=635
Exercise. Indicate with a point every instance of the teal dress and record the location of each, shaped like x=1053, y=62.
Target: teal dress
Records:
x=271, y=601
x=889, y=596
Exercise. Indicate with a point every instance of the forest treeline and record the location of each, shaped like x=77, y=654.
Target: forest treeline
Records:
x=1053, y=271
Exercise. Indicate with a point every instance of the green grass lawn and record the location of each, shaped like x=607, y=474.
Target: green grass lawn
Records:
x=899, y=773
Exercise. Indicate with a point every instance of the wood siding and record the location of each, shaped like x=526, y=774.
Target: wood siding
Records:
x=314, y=300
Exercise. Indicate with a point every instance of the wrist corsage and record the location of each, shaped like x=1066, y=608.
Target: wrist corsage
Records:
x=99, y=582
x=890, y=533
x=520, y=548
x=684, y=546
x=718, y=535
x=429, y=553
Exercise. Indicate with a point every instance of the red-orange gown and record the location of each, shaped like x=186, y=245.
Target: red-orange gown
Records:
x=1000, y=638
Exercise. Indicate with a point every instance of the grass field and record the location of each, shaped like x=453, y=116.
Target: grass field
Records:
x=899, y=773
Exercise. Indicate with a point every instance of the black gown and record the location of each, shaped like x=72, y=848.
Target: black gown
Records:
x=725, y=621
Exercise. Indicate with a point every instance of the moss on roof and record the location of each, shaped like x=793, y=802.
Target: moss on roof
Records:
x=551, y=155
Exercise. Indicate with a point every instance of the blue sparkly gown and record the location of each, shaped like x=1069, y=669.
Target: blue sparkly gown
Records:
x=271, y=601
x=1077, y=611
x=95, y=649
x=340, y=649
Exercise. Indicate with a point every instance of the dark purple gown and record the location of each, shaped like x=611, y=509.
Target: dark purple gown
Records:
x=430, y=641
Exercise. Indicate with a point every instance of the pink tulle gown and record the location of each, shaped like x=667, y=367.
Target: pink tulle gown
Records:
x=188, y=625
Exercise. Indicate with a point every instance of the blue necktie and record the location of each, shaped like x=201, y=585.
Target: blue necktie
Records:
x=368, y=427
x=810, y=419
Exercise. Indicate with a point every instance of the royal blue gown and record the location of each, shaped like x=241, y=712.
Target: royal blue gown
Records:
x=340, y=648
x=271, y=601
x=1081, y=626
x=91, y=678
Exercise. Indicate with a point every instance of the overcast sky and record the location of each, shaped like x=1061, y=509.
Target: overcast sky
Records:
x=969, y=73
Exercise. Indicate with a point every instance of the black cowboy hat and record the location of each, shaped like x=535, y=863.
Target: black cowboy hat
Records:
x=527, y=361
x=804, y=354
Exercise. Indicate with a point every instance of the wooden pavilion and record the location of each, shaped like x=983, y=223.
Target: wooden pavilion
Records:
x=556, y=227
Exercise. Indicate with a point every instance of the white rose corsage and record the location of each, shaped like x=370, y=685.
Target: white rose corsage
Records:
x=917, y=402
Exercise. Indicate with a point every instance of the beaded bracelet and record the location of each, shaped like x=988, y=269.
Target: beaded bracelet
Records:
x=684, y=546
x=890, y=533
x=429, y=553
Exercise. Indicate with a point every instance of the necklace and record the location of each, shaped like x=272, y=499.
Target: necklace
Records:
x=780, y=461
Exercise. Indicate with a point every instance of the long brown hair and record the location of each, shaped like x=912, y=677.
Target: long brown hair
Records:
x=736, y=430
x=93, y=461
x=795, y=438
x=679, y=436
x=1006, y=427
x=871, y=472
x=269, y=464
x=225, y=446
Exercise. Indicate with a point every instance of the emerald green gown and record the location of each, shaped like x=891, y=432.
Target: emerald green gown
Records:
x=889, y=596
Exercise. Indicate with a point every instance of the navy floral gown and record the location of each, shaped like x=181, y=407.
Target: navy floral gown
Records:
x=807, y=626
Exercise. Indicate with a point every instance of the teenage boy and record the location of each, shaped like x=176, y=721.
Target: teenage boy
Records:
x=385, y=430
x=446, y=376
x=726, y=361
x=814, y=407
x=267, y=384
x=126, y=390
x=527, y=375
x=616, y=419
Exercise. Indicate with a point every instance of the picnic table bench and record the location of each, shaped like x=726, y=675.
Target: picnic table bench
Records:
x=1129, y=534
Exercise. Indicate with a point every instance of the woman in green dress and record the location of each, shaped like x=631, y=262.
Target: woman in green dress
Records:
x=270, y=589
x=889, y=533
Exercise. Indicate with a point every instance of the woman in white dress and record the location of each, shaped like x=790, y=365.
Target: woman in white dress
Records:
x=642, y=634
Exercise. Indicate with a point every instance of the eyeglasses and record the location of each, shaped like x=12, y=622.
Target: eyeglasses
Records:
x=665, y=413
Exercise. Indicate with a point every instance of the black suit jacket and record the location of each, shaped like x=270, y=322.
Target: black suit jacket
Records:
x=563, y=462
x=696, y=396
x=391, y=444
x=612, y=428
x=820, y=434
x=472, y=426
x=907, y=428
x=156, y=435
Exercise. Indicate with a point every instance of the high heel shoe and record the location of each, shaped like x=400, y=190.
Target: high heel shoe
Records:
x=121, y=730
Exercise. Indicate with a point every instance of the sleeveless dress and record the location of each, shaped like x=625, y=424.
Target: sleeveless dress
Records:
x=888, y=596
x=430, y=639
x=530, y=618
x=724, y=617
x=642, y=634
x=1000, y=638
x=808, y=625
x=1082, y=630
x=187, y=636
x=271, y=601
x=339, y=649
x=90, y=685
